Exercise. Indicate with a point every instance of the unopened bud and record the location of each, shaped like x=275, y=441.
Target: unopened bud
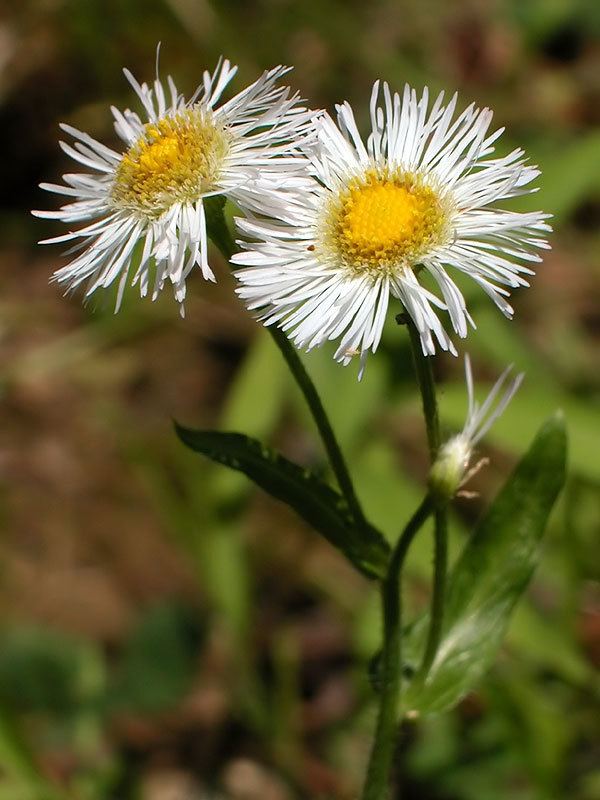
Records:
x=448, y=470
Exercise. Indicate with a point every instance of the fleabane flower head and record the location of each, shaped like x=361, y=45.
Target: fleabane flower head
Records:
x=177, y=154
x=419, y=197
x=451, y=467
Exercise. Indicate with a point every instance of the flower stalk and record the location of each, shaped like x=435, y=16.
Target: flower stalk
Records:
x=335, y=226
x=380, y=763
x=221, y=236
x=424, y=372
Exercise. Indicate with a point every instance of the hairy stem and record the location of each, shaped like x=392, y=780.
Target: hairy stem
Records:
x=380, y=763
x=424, y=372
x=334, y=453
x=440, y=569
x=222, y=238
x=426, y=381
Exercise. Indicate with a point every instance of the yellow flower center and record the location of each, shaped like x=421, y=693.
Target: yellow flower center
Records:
x=159, y=156
x=175, y=160
x=384, y=221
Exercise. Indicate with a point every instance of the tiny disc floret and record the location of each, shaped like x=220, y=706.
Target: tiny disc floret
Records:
x=382, y=222
x=176, y=160
x=400, y=214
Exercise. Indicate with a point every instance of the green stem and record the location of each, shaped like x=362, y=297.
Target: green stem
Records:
x=424, y=371
x=440, y=555
x=334, y=453
x=382, y=753
x=438, y=597
x=222, y=238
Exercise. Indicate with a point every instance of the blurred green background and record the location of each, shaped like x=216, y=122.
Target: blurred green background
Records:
x=167, y=632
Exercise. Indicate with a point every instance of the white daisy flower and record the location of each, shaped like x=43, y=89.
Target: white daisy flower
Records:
x=415, y=200
x=179, y=153
x=451, y=468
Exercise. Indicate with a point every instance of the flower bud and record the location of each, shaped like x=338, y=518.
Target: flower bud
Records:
x=449, y=468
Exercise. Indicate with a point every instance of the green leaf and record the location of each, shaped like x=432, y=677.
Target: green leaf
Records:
x=20, y=776
x=571, y=171
x=42, y=671
x=490, y=576
x=159, y=660
x=316, y=502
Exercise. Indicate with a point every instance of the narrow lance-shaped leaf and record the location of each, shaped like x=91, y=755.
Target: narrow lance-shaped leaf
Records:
x=316, y=502
x=490, y=576
x=21, y=776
